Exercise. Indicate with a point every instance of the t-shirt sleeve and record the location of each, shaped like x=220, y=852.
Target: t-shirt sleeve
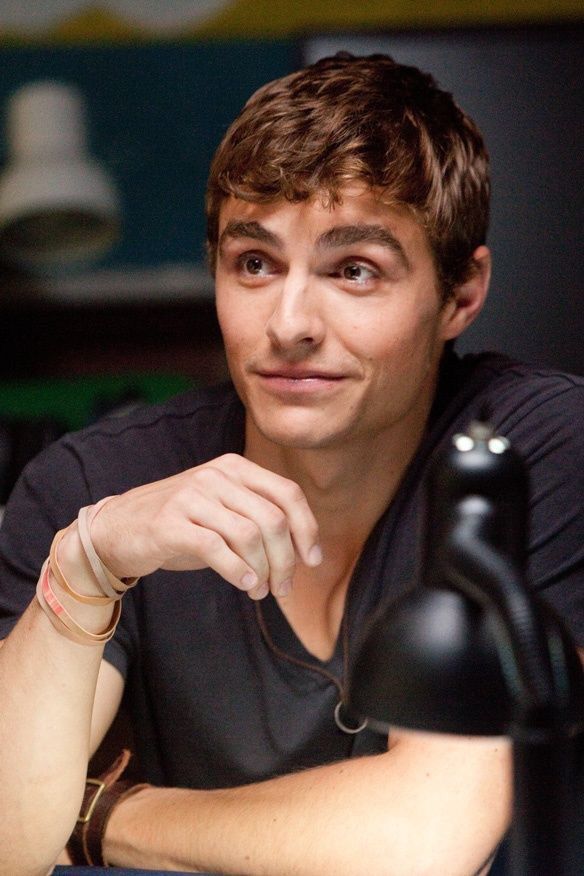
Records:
x=47, y=497
x=548, y=430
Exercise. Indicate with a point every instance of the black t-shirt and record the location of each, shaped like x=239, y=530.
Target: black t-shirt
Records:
x=213, y=703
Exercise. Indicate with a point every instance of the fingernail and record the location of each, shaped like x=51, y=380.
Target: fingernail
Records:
x=315, y=555
x=260, y=591
x=249, y=580
x=285, y=587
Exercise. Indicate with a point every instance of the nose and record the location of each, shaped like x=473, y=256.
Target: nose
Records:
x=296, y=321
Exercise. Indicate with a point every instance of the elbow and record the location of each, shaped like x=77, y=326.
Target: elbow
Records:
x=16, y=861
x=33, y=839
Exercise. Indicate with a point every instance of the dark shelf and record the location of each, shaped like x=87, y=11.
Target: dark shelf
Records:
x=42, y=339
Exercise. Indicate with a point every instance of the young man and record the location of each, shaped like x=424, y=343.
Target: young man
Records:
x=347, y=215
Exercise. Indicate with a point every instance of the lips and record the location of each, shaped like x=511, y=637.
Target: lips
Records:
x=292, y=383
x=300, y=375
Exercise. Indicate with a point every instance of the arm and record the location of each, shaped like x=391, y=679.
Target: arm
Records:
x=431, y=804
x=47, y=685
x=244, y=522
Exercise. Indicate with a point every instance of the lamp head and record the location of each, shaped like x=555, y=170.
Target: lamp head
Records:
x=430, y=662
x=57, y=204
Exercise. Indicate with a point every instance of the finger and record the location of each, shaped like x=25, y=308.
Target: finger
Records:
x=277, y=540
x=238, y=531
x=271, y=522
x=211, y=550
x=288, y=496
x=274, y=529
x=259, y=592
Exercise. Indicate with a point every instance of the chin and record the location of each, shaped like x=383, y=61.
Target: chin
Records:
x=300, y=436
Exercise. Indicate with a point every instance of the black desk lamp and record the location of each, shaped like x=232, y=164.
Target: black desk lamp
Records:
x=473, y=651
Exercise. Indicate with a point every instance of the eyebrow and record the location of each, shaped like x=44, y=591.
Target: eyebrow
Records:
x=238, y=228
x=347, y=235
x=336, y=237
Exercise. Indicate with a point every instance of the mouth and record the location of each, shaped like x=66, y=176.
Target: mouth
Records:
x=299, y=374
x=296, y=381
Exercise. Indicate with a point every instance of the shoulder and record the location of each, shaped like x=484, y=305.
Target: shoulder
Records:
x=214, y=405
x=523, y=402
x=150, y=443
x=540, y=411
x=516, y=383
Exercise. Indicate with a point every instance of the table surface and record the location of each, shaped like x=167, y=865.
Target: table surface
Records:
x=499, y=868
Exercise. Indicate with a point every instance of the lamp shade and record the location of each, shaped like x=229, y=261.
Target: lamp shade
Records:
x=430, y=662
x=57, y=204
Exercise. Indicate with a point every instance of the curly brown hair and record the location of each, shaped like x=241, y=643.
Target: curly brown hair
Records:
x=369, y=119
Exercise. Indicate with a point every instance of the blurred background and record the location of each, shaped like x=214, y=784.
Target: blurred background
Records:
x=109, y=115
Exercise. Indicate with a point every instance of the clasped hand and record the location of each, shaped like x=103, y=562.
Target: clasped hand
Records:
x=231, y=515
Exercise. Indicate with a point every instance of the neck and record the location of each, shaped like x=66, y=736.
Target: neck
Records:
x=348, y=487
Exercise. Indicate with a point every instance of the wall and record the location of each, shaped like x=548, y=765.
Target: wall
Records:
x=159, y=97
x=523, y=87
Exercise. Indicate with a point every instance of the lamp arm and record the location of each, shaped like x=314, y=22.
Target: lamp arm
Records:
x=489, y=577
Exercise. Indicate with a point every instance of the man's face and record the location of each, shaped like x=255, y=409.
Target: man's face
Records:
x=331, y=317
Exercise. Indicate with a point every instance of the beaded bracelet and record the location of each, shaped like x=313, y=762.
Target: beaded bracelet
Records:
x=63, y=622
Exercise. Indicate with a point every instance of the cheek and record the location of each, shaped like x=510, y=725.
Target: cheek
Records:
x=234, y=318
x=394, y=346
x=373, y=338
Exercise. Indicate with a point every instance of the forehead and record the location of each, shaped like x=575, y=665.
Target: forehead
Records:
x=358, y=206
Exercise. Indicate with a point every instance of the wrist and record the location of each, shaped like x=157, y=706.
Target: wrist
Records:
x=111, y=583
x=101, y=532
x=102, y=796
x=153, y=829
x=119, y=841
x=76, y=569
x=74, y=563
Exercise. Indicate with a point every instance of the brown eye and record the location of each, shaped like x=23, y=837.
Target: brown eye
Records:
x=253, y=265
x=357, y=273
x=352, y=272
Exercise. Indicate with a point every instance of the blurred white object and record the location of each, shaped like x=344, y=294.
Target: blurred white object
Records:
x=57, y=205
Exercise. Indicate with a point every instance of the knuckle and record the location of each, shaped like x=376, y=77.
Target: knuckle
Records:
x=209, y=542
x=276, y=520
x=229, y=460
x=295, y=493
x=204, y=476
x=247, y=532
x=182, y=504
x=287, y=571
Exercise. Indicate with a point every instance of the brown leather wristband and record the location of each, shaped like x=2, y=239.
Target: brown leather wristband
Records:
x=100, y=797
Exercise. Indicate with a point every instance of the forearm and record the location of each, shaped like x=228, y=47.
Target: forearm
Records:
x=48, y=685
x=284, y=826
x=371, y=815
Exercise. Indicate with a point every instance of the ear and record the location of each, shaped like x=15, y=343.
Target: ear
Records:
x=467, y=299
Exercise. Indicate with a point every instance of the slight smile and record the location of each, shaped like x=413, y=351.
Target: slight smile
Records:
x=296, y=382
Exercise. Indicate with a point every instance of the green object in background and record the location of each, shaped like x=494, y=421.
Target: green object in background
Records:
x=75, y=402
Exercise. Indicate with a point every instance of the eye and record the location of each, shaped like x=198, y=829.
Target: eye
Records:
x=357, y=273
x=253, y=265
